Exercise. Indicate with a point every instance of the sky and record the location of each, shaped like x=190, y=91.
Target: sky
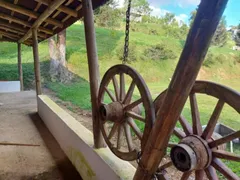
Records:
x=183, y=8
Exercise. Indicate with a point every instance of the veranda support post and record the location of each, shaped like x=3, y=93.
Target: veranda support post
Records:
x=93, y=66
x=20, y=73
x=207, y=18
x=36, y=62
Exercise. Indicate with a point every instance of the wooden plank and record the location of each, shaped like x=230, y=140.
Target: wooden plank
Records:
x=50, y=9
x=60, y=8
x=8, y=34
x=198, y=41
x=20, y=73
x=36, y=62
x=21, y=22
x=93, y=67
x=17, y=30
x=27, y=12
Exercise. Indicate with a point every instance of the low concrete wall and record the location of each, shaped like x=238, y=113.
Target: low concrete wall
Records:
x=77, y=142
x=9, y=86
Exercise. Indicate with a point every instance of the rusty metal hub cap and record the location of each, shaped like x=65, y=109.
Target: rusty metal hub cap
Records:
x=192, y=153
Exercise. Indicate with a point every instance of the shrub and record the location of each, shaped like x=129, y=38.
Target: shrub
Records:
x=132, y=53
x=209, y=60
x=159, y=52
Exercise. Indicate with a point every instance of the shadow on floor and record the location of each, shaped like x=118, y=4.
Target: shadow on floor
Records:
x=64, y=165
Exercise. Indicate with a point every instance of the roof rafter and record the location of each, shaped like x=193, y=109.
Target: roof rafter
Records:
x=60, y=8
x=27, y=12
x=50, y=9
x=21, y=30
x=18, y=21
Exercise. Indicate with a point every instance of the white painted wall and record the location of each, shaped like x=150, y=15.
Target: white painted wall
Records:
x=77, y=143
x=9, y=86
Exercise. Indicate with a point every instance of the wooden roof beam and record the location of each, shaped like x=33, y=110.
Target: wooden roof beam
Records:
x=18, y=21
x=27, y=12
x=18, y=29
x=11, y=30
x=50, y=9
x=60, y=8
x=8, y=34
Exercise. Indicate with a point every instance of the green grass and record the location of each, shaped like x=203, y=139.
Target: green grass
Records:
x=157, y=74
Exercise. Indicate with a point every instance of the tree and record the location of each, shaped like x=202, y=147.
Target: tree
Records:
x=140, y=7
x=220, y=37
x=58, y=64
x=236, y=35
x=192, y=17
x=108, y=15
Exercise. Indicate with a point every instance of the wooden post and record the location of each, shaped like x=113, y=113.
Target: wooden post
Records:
x=36, y=62
x=20, y=73
x=93, y=66
x=194, y=52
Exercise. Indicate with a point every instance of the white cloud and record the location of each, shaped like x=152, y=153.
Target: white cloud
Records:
x=181, y=18
x=158, y=11
x=181, y=3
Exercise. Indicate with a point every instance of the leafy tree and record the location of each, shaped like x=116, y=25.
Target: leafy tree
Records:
x=192, y=17
x=220, y=37
x=237, y=35
x=140, y=7
x=108, y=15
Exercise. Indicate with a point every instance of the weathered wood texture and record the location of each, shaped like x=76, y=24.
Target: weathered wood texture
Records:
x=207, y=18
x=93, y=66
x=43, y=17
x=48, y=16
x=20, y=72
x=36, y=62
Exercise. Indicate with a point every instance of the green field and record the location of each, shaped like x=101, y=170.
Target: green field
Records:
x=223, y=68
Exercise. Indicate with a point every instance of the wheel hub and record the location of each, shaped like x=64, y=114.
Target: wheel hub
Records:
x=192, y=153
x=113, y=112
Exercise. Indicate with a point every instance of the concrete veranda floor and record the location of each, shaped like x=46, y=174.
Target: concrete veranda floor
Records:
x=20, y=123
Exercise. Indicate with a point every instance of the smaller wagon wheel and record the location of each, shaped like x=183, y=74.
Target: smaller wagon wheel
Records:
x=120, y=117
x=199, y=150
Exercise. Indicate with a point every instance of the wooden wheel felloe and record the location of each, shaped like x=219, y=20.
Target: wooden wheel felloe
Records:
x=198, y=151
x=120, y=113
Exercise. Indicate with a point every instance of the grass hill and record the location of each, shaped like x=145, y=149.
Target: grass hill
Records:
x=221, y=65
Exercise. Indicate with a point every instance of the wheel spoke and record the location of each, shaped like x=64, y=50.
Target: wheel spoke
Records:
x=197, y=128
x=113, y=131
x=116, y=88
x=128, y=137
x=165, y=166
x=199, y=174
x=208, y=131
x=180, y=134
x=211, y=173
x=226, y=155
x=186, y=126
x=135, y=116
x=222, y=168
x=120, y=135
x=122, y=86
x=186, y=175
x=135, y=128
x=110, y=94
x=225, y=139
x=133, y=104
x=128, y=97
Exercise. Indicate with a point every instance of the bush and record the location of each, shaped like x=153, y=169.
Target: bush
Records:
x=209, y=60
x=132, y=53
x=159, y=52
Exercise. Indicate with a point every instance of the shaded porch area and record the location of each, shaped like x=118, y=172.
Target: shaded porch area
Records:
x=32, y=152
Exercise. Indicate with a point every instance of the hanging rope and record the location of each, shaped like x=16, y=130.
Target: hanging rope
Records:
x=126, y=46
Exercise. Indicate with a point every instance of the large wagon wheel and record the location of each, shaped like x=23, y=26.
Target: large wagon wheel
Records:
x=198, y=150
x=119, y=116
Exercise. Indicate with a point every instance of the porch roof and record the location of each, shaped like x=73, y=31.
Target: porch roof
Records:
x=18, y=17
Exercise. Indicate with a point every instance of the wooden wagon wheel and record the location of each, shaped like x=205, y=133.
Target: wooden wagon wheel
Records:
x=198, y=150
x=120, y=115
